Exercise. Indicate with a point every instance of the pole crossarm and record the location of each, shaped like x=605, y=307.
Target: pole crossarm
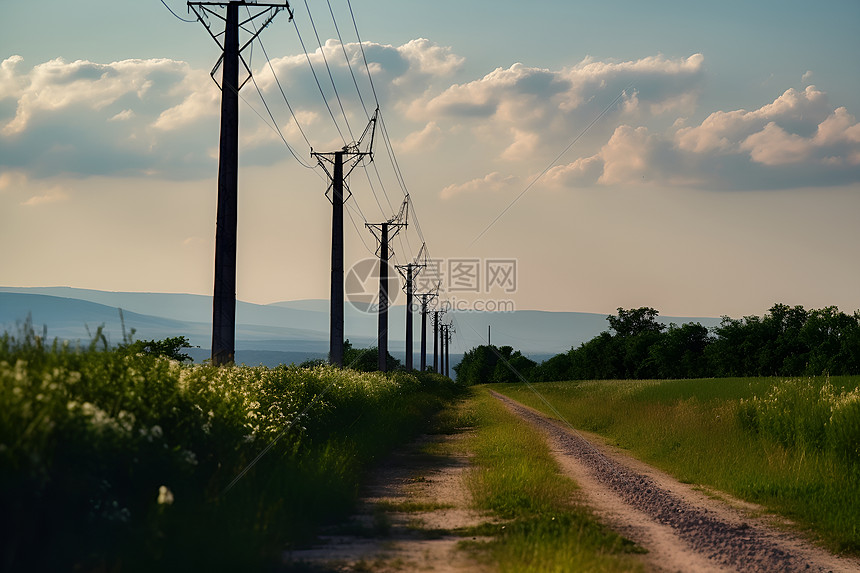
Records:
x=409, y=272
x=351, y=153
x=393, y=229
x=203, y=10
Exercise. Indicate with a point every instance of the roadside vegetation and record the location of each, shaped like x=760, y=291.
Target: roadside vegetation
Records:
x=537, y=525
x=791, y=445
x=125, y=459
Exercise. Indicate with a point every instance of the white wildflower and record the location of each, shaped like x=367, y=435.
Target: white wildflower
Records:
x=165, y=496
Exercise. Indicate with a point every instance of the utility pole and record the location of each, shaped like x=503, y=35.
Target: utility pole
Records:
x=442, y=337
x=425, y=298
x=337, y=187
x=224, y=296
x=449, y=331
x=387, y=230
x=437, y=365
x=409, y=272
x=489, y=337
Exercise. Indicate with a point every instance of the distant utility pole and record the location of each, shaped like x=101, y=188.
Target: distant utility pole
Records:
x=449, y=332
x=394, y=225
x=338, y=184
x=442, y=337
x=437, y=366
x=224, y=299
x=409, y=272
x=425, y=298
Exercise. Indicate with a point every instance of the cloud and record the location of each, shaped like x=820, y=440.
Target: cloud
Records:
x=525, y=112
x=797, y=140
x=492, y=182
x=423, y=140
x=160, y=116
x=53, y=195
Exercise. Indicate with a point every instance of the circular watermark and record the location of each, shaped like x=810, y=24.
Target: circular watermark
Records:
x=361, y=285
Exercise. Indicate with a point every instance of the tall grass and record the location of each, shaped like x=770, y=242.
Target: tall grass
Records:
x=790, y=445
x=130, y=462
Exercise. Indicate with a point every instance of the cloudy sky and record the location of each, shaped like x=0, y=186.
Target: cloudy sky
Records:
x=702, y=158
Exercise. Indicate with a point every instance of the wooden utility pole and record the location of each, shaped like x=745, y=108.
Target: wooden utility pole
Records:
x=409, y=272
x=335, y=347
x=339, y=195
x=387, y=230
x=224, y=297
x=425, y=298
x=436, y=341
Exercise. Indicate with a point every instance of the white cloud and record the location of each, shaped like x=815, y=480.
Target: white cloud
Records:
x=430, y=58
x=725, y=131
x=774, y=146
x=124, y=115
x=797, y=140
x=53, y=195
x=423, y=140
x=492, y=182
x=57, y=85
x=524, y=112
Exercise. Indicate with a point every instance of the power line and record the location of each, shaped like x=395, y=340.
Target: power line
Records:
x=280, y=87
x=551, y=164
x=319, y=86
x=346, y=57
x=328, y=69
x=363, y=55
x=274, y=124
x=178, y=17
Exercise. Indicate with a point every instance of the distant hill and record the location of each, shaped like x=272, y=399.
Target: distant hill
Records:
x=287, y=329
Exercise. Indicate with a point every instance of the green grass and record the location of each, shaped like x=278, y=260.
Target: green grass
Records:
x=783, y=444
x=111, y=460
x=539, y=525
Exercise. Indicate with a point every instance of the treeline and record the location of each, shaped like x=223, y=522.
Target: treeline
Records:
x=786, y=341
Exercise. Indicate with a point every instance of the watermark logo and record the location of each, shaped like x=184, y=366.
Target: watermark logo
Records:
x=361, y=285
x=455, y=280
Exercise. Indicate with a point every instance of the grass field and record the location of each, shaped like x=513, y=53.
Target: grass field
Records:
x=539, y=526
x=113, y=461
x=792, y=446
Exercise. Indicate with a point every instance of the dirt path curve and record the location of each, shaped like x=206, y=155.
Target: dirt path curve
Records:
x=406, y=515
x=683, y=529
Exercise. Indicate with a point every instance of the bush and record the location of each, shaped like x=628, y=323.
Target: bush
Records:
x=135, y=462
x=807, y=415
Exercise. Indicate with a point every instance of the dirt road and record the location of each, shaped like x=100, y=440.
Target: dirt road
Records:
x=682, y=528
x=406, y=518
x=417, y=501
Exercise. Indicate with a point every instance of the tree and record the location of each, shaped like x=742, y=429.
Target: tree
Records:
x=169, y=347
x=680, y=352
x=635, y=321
x=366, y=359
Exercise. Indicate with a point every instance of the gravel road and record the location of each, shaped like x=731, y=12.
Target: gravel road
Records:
x=683, y=529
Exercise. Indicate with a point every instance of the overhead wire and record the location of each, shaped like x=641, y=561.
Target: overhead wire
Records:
x=281, y=88
x=346, y=57
x=328, y=69
x=274, y=123
x=178, y=17
x=363, y=55
x=319, y=85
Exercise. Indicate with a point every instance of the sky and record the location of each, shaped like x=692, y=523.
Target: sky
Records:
x=700, y=158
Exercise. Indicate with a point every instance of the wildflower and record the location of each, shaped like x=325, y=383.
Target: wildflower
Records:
x=165, y=496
